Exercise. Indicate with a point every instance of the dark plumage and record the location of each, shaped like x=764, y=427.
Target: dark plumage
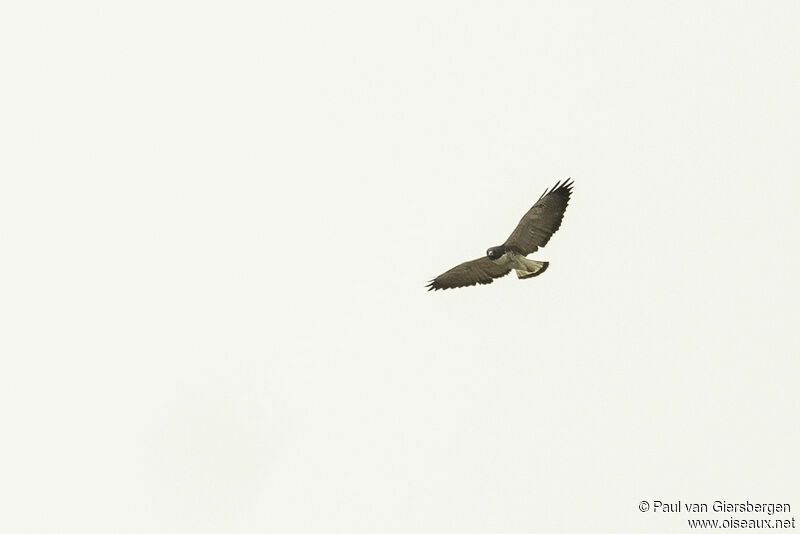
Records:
x=534, y=230
x=543, y=219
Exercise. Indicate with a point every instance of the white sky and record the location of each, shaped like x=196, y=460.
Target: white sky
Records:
x=218, y=220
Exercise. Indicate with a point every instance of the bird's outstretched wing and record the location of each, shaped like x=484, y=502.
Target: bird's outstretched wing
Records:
x=542, y=220
x=480, y=271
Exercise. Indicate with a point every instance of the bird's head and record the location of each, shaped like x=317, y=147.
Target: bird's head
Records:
x=495, y=252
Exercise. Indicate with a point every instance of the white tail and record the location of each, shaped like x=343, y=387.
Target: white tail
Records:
x=533, y=268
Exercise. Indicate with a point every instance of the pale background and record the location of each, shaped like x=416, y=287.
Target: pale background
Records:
x=218, y=218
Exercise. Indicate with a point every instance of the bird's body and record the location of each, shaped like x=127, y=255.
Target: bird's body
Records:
x=533, y=231
x=513, y=260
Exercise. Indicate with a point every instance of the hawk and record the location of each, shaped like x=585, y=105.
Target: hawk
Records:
x=533, y=231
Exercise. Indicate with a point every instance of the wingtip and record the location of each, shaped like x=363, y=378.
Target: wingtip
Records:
x=566, y=185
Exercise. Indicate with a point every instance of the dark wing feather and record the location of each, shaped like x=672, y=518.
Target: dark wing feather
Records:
x=542, y=220
x=480, y=271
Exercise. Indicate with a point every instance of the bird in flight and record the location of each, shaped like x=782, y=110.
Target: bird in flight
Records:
x=533, y=231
